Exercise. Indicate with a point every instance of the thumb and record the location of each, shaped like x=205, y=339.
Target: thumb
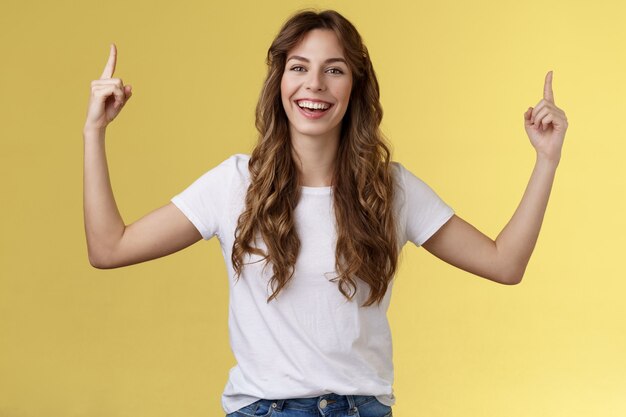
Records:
x=527, y=115
x=128, y=91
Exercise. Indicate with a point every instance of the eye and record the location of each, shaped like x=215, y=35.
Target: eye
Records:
x=336, y=69
x=295, y=68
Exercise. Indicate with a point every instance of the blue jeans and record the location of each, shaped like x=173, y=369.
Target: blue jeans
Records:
x=327, y=405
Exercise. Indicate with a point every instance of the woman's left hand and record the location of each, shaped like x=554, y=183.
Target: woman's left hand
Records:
x=546, y=125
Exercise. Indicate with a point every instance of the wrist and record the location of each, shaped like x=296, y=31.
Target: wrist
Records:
x=90, y=131
x=550, y=162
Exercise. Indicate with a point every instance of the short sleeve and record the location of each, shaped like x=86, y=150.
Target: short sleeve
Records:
x=203, y=201
x=425, y=211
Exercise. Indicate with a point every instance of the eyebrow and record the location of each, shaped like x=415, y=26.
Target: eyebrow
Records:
x=329, y=60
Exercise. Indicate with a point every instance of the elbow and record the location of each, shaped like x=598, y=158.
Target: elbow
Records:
x=98, y=265
x=97, y=261
x=513, y=277
x=512, y=281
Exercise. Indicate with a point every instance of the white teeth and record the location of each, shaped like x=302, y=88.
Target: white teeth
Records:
x=313, y=105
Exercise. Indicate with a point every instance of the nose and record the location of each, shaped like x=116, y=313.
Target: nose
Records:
x=315, y=81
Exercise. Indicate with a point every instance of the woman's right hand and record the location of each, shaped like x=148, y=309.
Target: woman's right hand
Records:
x=108, y=96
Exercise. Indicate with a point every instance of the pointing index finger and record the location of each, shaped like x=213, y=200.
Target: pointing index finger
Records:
x=548, y=94
x=110, y=66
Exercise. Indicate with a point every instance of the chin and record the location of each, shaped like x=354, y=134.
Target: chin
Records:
x=311, y=130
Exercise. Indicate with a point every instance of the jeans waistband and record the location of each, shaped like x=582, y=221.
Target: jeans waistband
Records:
x=326, y=402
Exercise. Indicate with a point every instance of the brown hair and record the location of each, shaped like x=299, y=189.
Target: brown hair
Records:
x=363, y=188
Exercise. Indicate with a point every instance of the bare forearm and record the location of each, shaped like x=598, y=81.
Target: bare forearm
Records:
x=517, y=240
x=103, y=223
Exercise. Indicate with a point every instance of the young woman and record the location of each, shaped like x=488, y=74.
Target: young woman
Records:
x=311, y=225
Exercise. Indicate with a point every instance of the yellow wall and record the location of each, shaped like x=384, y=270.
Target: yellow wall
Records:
x=456, y=78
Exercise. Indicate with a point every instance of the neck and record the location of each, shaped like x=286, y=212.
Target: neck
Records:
x=315, y=157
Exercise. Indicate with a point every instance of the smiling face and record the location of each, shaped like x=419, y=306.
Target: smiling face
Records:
x=316, y=85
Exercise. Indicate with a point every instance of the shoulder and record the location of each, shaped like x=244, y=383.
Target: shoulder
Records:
x=236, y=172
x=397, y=168
x=413, y=189
x=407, y=180
x=399, y=174
x=231, y=171
x=237, y=160
x=235, y=166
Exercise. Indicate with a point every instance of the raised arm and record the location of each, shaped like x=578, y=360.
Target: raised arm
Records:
x=505, y=259
x=110, y=243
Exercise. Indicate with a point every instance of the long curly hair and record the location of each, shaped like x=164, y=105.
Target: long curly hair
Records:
x=363, y=183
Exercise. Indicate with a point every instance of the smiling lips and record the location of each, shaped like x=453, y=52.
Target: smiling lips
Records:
x=313, y=108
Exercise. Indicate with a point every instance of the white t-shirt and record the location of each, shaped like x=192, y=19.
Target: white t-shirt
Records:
x=310, y=340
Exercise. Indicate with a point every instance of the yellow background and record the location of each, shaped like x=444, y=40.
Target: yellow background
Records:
x=456, y=77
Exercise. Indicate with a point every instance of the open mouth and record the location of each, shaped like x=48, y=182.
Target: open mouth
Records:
x=313, y=109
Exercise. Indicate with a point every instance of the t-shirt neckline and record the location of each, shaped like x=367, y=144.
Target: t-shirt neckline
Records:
x=316, y=190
